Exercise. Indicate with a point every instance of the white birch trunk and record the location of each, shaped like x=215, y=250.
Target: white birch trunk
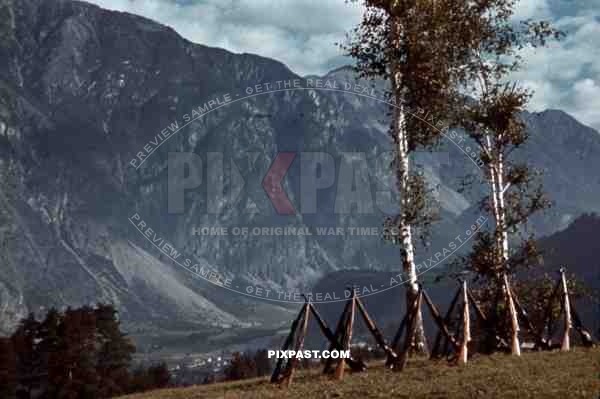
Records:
x=515, y=344
x=496, y=189
x=402, y=153
x=496, y=170
x=502, y=210
x=566, y=344
x=503, y=244
x=403, y=186
x=464, y=348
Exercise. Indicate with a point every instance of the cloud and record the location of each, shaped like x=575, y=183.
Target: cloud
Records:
x=566, y=75
x=303, y=33
x=586, y=102
x=525, y=9
x=300, y=33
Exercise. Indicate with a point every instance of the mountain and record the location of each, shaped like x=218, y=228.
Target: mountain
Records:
x=84, y=91
x=573, y=248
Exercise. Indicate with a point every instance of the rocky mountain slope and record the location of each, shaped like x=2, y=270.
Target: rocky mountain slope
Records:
x=574, y=248
x=84, y=90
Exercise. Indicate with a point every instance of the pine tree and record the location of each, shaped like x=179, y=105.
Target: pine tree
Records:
x=159, y=376
x=79, y=353
x=8, y=369
x=114, y=353
x=263, y=364
x=241, y=366
x=29, y=366
x=49, y=346
x=75, y=375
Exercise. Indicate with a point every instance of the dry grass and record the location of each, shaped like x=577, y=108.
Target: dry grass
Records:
x=535, y=375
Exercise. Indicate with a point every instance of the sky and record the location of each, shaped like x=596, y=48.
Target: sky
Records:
x=303, y=35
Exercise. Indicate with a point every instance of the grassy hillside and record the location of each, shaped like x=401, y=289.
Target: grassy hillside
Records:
x=534, y=375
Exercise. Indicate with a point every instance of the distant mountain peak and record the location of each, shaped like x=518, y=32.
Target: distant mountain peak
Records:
x=343, y=70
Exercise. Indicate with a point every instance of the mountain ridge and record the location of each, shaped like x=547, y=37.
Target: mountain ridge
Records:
x=91, y=87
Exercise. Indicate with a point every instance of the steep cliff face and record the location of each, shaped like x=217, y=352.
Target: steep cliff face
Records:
x=83, y=90
x=89, y=88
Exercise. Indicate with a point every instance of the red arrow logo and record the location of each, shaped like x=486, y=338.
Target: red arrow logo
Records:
x=272, y=183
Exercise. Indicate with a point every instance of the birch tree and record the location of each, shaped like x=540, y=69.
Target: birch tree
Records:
x=430, y=50
x=515, y=194
x=492, y=118
x=421, y=48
